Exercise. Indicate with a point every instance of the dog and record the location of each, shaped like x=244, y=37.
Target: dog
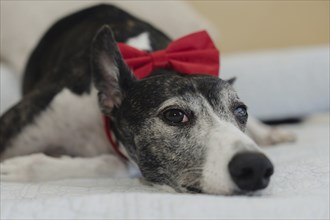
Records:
x=185, y=133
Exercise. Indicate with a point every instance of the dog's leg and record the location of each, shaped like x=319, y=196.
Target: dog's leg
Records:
x=265, y=135
x=22, y=115
x=67, y=122
x=40, y=167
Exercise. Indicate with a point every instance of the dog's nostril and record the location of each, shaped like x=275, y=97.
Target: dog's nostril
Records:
x=269, y=172
x=250, y=171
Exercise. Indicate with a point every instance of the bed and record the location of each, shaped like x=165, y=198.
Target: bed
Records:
x=299, y=190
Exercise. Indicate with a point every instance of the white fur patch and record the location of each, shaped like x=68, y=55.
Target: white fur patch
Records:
x=225, y=140
x=71, y=122
x=141, y=41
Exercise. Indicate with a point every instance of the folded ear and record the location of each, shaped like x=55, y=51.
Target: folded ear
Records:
x=111, y=75
x=231, y=81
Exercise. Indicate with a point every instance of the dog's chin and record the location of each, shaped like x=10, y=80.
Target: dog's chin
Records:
x=198, y=190
x=236, y=192
x=170, y=189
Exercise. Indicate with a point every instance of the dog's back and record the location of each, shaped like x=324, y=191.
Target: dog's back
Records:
x=58, y=74
x=63, y=54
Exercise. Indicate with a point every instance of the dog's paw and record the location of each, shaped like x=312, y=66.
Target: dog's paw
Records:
x=24, y=168
x=275, y=136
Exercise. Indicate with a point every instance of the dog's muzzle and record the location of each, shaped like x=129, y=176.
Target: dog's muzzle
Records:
x=250, y=171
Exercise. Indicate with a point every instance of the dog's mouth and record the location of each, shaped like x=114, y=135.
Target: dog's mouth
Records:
x=191, y=189
x=238, y=192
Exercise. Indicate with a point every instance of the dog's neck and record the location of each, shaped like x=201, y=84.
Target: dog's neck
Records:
x=114, y=139
x=141, y=42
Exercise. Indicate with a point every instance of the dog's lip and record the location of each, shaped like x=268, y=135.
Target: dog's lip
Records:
x=192, y=189
x=196, y=190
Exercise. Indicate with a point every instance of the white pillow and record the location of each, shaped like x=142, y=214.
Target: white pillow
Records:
x=9, y=90
x=24, y=22
x=279, y=84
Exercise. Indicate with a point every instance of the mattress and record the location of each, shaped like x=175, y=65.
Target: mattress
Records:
x=299, y=190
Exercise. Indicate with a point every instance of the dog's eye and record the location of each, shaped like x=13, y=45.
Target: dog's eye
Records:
x=241, y=113
x=175, y=116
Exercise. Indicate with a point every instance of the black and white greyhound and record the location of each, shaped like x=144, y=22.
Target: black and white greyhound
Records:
x=184, y=132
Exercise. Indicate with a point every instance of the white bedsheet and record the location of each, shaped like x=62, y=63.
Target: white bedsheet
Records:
x=299, y=190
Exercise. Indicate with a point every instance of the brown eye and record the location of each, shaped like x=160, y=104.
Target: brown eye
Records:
x=175, y=116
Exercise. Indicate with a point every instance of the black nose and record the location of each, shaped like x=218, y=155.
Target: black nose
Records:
x=251, y=171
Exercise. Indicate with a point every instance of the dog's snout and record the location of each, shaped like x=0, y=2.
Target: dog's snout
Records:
x=250, y=171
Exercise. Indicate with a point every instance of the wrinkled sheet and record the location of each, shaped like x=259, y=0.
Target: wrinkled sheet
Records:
x=299, y=190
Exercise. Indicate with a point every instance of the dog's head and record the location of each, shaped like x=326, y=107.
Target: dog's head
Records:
x=183, y=131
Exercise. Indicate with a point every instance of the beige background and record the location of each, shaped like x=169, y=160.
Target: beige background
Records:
x=254, y=25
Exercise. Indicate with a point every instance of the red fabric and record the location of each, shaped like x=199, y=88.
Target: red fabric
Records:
x=192, y=54
x=114, y=144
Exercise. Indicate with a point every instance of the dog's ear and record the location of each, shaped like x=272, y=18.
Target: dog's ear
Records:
x=111, y=75
x=231, y=81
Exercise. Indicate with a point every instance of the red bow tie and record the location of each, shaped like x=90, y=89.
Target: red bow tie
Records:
x=192, y=54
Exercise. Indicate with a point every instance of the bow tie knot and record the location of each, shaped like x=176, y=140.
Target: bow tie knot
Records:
x=159, y=59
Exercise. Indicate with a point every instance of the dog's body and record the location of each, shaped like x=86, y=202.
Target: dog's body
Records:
x=66, y=79
x=70, y=82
